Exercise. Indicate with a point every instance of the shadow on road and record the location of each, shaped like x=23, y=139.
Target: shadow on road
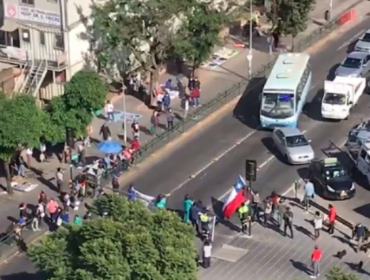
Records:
x=23, y=276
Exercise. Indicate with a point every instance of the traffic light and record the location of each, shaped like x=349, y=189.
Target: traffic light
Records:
x=251, y=170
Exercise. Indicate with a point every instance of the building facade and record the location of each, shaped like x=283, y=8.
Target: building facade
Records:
x=46, y=41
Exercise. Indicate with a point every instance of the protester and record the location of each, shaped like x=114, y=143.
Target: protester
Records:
x=105, y=132
x=161, y=201
x=21, y=166
x=109, y=110
x=267, y=212
x=29, y=153
x=131, y=192
x=359, y=236
x=60, y=178
x=288, y=222
x=42, y=198
x=135, y=129
x=332, y=216
x=81, y=152
x=64, y=216
x=282, y=209
x=309, y=193
x=207, y=252
x=43, y=156
x=195, y=96
x=77, y=220
x=166, y=101
x=187, y=207
x=317, y=223
x=316, y=257
x=115, y=183
x=89, y=133
x=243, y=216
x=154, y=121
x=52, y=207
x=40, y=214
x=256, y=207
x=170, y=119
x=22, y=209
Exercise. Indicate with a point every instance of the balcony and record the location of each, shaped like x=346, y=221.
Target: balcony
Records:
x=18, y=56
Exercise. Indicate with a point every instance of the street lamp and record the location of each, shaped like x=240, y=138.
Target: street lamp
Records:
x=330, y=9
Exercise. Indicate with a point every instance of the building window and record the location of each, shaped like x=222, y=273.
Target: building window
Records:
x=59, y=44
x=42, y=38
x=26, y=35
x=28, y=2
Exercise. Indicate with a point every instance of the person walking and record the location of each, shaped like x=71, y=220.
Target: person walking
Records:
x=256, y=207
x=135, y=129
x=59, y=175
x=267, y=212
x=309, y=193
x=282, y=209
x=317, y=224
x=243, y=216
x=360, y=236
x=166, y=101
x=109, y=108
x=316, y=257
x=332, y=216
x=207, y=252
x=288, y=222
x=105, y=132
x=154, y=121
x=170, y=119
x=187, y=206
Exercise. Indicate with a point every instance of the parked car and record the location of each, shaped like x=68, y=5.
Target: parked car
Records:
x=294, y=146
x=332, y=179
x=363, y=44
x=356, y=64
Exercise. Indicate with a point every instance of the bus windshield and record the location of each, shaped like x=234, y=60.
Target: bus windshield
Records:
x=278, y=106
x=334, y=98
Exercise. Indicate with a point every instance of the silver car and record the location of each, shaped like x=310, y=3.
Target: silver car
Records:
x=293, y=145
x=356, y=64
x=363, y=44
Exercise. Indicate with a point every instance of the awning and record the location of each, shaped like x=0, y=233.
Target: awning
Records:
x=9, y=25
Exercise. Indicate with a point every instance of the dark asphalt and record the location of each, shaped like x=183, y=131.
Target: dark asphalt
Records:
x=214, y=181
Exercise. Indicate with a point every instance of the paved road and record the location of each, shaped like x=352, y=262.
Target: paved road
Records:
x=214, y=179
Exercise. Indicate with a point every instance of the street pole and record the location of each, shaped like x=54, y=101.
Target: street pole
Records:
x=124, y=113
x=249, y=56
x=330, y=9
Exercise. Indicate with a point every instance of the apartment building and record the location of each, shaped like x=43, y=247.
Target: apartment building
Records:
x=45, y=42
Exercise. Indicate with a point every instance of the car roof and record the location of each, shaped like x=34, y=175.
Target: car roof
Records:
x=290, y=131
x=359, y=55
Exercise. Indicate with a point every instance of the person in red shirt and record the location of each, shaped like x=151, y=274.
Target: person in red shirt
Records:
x=135, y=145
x=195, y=95
x=332, y=217
x=315, y=259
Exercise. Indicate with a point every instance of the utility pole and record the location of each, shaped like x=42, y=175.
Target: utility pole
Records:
x=250, y=56
x=124, y=112
x=330, y=10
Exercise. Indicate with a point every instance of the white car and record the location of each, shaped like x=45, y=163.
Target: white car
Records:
x=294, y=146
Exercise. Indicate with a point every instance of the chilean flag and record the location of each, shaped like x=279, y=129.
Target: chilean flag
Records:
x=235, y=198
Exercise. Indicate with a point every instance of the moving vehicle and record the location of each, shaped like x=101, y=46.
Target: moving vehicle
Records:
x=331, y=178
x=363, y=44
x=356, y=64
x=285, y=91
x=340, y=96
x=292, y=143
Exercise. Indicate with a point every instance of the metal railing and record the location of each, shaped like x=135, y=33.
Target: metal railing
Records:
x=201, y=112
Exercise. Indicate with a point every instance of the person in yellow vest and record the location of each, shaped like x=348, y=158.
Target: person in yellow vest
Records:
x=243, y=212
x=205, y=221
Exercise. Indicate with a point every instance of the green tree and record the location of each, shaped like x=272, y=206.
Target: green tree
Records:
x=131, y=243
x=289, y=17
x=137, y=34
x=21, y=125
x=199, y=34
x=336, y=273
x=85, y=91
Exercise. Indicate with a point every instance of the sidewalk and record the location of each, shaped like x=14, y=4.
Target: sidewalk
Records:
x=217, y=80
x=270, y=255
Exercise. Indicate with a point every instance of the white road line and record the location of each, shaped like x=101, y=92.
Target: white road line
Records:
x=266, y=162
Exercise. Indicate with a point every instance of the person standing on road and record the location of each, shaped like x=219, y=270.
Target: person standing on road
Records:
x=59, y=175
x=288, y=222
x=309, y=193
x=135, y=129
x=243, y=216
x=187, y=206
x=360, y=236
x=267, y=212
x=332, y=217
x=316, y=257
x=29, y=153
x=40, y=214
x=282, y=209
x=131, y=192
x=105, y=132
x=166, y=101
x=195, y=95
x=256, y=207
x=52, y=208
x=154, y=121
x=317, y=224
x=109, y=108
x=170, y=119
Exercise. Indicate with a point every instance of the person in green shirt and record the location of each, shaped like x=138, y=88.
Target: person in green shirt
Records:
x=161, y=201
x=77, y=220
x=187, y=206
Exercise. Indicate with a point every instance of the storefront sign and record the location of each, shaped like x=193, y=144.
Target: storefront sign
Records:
x=32, y=14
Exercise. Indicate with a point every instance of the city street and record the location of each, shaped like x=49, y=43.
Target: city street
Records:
x=208, y=164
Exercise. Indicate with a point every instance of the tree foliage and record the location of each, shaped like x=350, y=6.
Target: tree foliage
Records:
x=336, y=273
x=130, y=243
x=85, y=92
x=199, y=34
x=289, y=17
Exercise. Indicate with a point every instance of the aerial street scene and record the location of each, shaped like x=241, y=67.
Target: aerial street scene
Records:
x=185, y=140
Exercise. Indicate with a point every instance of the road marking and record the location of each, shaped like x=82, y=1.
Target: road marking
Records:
x=350, y=41
x=266, y=162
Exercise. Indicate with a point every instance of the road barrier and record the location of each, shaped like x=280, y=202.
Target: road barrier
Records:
x=346, y=17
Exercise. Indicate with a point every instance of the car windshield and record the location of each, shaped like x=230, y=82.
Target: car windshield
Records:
x=366, y=37
x=335, y=173
x=334, y=98
x=278, y=106
x=296, y=141
x=351, y=62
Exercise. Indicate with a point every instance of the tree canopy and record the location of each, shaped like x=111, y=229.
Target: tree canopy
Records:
x=129, y=243
x=289, y=17
x=21, y=125
x=336, y=273
x=199, y=34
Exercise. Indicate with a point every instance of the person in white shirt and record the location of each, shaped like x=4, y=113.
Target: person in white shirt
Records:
x=207, y=251
x=110, y=110
x=317, y=223
x=29, y=153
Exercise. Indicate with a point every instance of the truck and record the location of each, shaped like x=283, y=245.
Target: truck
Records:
x=340, y=96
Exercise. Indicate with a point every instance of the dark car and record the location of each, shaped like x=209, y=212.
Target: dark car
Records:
x=332, y=179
